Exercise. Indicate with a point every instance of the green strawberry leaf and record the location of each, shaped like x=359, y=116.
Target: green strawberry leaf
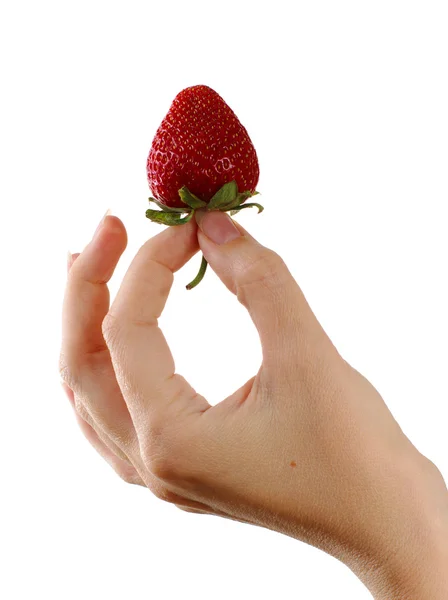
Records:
x=169, y=209
x=224, y=197
x=190, y=199
x=231, y=205
x=167, y=218
x=243, y=196
x=250, y=205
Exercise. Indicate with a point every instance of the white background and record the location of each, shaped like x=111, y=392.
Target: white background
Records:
x=346, y=103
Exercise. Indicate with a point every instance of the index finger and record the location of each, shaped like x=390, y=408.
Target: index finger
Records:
x=142, y=360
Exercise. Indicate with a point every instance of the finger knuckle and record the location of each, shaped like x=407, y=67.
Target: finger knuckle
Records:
x=167, y=448
x=130, y=476
x=111, y=327
x=158, y=432
x=121, y=436
x=162, y=465
x=161, y=491
x=167, y=469
x=432, y=470
x=66, y=370
x=82, y=411
x=266, y=270
x=163, y=457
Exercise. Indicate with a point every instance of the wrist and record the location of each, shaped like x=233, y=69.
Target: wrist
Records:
x=419, y=572
x=409, y=560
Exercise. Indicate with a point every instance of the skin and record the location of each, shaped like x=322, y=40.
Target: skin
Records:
x=307, y=447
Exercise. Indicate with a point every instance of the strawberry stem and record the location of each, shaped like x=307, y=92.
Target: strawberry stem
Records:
x=199, y=277
x=226, y=199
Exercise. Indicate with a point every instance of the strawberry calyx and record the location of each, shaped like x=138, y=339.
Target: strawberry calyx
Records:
x=226, y=199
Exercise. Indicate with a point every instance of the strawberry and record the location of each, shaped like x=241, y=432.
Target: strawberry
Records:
x=200, y=144
x=201, y=157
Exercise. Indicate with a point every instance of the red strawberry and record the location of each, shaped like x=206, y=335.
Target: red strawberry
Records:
x=202, y=145
x=201, y=157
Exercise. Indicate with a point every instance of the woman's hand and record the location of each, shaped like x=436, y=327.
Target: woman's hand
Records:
x=306, y=447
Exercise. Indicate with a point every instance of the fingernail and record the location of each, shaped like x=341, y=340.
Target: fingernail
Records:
x=69, y=261
x=217, y=226
x=101, y=223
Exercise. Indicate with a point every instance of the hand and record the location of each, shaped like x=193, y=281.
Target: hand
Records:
x=306, y=447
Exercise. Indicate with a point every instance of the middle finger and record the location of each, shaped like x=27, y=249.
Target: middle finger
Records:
x=85, y=359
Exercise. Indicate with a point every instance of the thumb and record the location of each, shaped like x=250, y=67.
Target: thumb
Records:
x=262, y=283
